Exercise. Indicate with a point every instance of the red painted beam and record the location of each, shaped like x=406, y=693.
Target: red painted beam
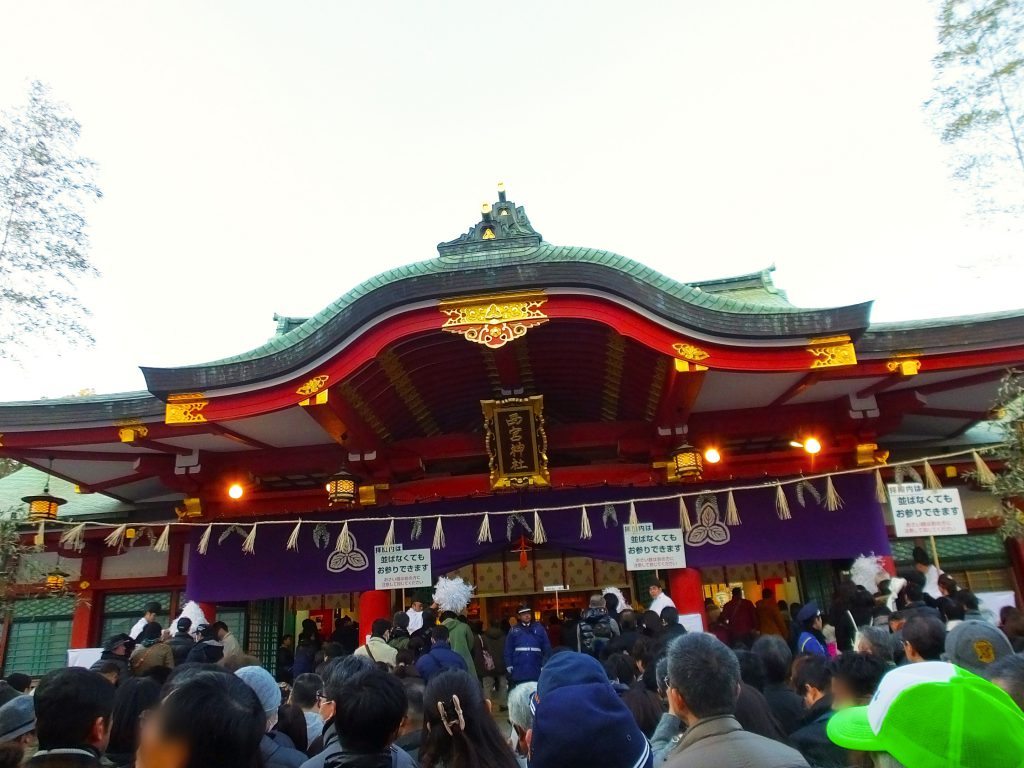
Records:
x=800, y=386
x=223, y=431
x=964, y=381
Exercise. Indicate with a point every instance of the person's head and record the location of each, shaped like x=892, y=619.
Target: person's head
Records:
x=266, y=689
x=656, y=588
x=809, y=617
x=874, y=640
x=620, y=669
x=118, y=645
x=921, y=559
x=669, y=616
x=429, y=618
x=627, y=620
x=975, y=645
x=520, y=713
x=704, y=677
x=597, y=602
x=134, y=696
x=413, y=722
x=855, y=678
x=459, y=731
x=400, y=620
x=1005, y=614
x=439, y=634
x=947, y=584
x=304, y=690
x=309, y=628
x=19, y=682
x=338, y=671
x=768, y=594
x=653, y=626
x=151, y=633
x=18, y=722
x=737, y=593
x=525, y=615
x=914, y=591
x=794, y=610
x=967, y=599
x=417, y=605
x=111, y=670
x=611, y=603
x=380, y=627
x=924, y=638
x=752, y=670
x=1008, y=674
x=369, y=709
x=220, y=629
x=183, y=625
x=291, y=721
x=812, y=679
x=332, y=651
x=206, y=717
x=288, y=641
x=151, y=612
x=776, y=658
x=934, y=714
x=73, y=709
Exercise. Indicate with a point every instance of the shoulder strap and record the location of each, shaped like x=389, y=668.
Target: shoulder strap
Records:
x=370, y=653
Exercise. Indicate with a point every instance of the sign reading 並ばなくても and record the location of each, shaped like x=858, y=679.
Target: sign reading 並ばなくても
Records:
x=397, y=568
x=649, y=548
x=917, y=511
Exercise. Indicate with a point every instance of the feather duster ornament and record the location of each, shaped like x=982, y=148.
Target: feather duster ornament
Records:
x=453, y=594
x=194, y=613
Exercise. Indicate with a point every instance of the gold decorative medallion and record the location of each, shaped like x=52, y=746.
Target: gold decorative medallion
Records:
x=312, y=386
x=904, y=366
x=690, y=352
x=496, y=320
x=517, y=445
x=185, y=408
x=131, y=430
x=832, y=352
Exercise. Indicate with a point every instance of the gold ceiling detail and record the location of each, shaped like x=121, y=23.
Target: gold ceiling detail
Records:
x=494, y=320
x=905, y=366
x=407, y=391
x=312, y=386
x=614, y=362
x=690, y=352
x=832, y=352
x=363, y=410
x=185, y=408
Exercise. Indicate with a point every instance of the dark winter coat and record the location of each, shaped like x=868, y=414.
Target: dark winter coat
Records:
x=721, y=741
x=82, y=757
x=526, y=650
x=206, y=652
x=181, y=643
x=812, y=740
x=441, y=658
x=278, y=751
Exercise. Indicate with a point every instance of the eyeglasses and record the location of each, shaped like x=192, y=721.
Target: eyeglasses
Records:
x=322, y=698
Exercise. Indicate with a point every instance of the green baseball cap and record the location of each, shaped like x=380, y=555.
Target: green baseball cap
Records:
x=934, y=715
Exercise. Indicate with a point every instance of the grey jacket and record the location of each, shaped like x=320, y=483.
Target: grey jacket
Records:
x=722, y=742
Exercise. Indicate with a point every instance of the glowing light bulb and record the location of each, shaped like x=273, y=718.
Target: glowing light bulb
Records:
x=236, y=491
x=712, y=456
x=812, y=446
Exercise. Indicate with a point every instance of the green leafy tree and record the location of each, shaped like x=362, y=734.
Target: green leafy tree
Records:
x=978, y=106
x=1009, y=483
x=46, y=185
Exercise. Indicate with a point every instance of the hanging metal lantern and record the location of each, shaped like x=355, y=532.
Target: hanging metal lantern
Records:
x=689, y=464
x=342, y=488
x=56, y=581
x=44, y=506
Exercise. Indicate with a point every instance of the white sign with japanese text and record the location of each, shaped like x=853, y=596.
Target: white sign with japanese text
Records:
x=649, y=548
x=397, y=568
x=917, y=511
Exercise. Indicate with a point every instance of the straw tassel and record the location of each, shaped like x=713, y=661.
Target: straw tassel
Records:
x=438, y=535
x=74, y=538
x=833, y=500
x=293, y=540
x=633, y=519
x=880, y=495
x=931, y=480
x=249, y=545
x=485, y=530
x=389, y=537
x=684, y=516
x=344, y=542
x=116, y=536
x=41, y=534
x=585, y=532
x=781, y=503
x=732, y=514
x=539, y=536
x=163, y=544
x=204, y=540
x=985, y=475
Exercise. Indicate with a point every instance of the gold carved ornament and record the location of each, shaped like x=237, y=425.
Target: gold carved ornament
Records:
x=516, y=442
x=496, y=320
x=691, y=355
x=185, y=408
x=832, y=352
x=904, y=366
x=313, y=391
x=130, y=430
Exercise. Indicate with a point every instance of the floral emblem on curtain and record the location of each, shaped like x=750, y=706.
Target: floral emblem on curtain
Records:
x=350, y=558
x=709, y=528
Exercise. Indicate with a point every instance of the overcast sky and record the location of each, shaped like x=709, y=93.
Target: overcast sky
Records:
x=263, y=157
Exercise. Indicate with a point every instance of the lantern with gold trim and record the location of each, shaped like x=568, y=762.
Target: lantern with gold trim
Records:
x=44, y=505
x=688, y=463
x=342, y=488
x=56, y=581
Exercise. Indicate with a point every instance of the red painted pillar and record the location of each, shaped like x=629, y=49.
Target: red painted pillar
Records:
x=209, y=611
x=86, y=609
x=373, y=605
x=687, y=591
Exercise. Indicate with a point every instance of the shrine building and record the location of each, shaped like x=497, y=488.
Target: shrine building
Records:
x=506, y=408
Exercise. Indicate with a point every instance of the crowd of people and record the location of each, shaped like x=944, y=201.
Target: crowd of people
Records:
x=919, y=684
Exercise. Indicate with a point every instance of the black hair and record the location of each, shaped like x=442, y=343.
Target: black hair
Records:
x=400, y=620
x=860, y=672
x=914, y=592
x=184, y=624
x=776, y=657
x=134, y=696
x=705, y=672
x=287, y=637
x=370, y=707
x=291, y=721
x=380, y=627
x=439, y=634
x=611, y=602
x=967, y=599
x=652, y=624
x=151, y=631
x=474, y=740
x=109, y=668
x=429, y=618
x=341, y=669
x=767, y=593
x=414, y=690
x=627, y=620
x=19, y=682
x=620, y=669
x=670, y=615
x=219, y=625
x=921, y=556
x=152, y=608
x=737, y=591
x=751, y=669
x=948, y=583
x=926, y=635
x=68, y=702
x=445, y=615
x=1008, y=674
x=814, y=671
x=216, y=715
x=305, y=688
x=332, y=650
